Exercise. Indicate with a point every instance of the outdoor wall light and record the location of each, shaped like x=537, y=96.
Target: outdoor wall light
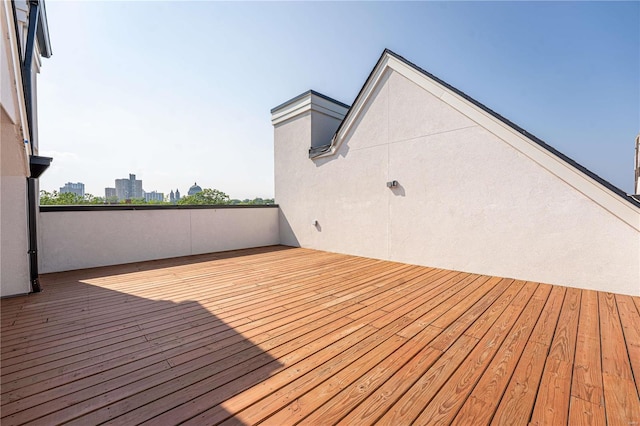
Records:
x=314, y=223
x=392, y=184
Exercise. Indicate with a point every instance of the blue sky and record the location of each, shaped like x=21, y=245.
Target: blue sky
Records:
x=178, y=92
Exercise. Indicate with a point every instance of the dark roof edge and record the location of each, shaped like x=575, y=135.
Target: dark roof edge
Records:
x=307, y=93
x=384, y=52
x=315, y=151
x=514, y=126
x=43, y=31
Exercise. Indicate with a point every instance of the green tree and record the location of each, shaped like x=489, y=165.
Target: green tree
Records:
x=157, y=202
x=47, y=198
x=207, y=196
x=258, y=201
x=91, y=199
x=134, y=201
x=67, y=198
x=57, y=198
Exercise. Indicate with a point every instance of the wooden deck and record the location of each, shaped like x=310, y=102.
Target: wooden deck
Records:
x=281, y=336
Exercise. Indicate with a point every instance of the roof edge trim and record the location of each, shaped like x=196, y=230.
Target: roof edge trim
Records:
x=43, y=32
x=305, y=94
x=305, y=103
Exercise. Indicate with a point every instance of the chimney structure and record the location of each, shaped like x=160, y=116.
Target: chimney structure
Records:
x=324, y=116
x=302, y=125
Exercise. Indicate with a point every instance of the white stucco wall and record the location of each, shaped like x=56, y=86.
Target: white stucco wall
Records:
x=14, y=261
x=467, y=199
x=84, y=239
x=15, y=148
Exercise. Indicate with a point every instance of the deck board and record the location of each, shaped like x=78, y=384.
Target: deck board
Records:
x=283, y=335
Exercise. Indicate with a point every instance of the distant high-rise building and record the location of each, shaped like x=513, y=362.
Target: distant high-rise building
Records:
x=74, y=188
x=110, y=193
x=177, y=194
x=153, y=196
x=127, y=189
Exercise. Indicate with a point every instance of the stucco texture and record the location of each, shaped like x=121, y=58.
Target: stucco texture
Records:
x=14, y=260
x=86, y=239
x=467, y=200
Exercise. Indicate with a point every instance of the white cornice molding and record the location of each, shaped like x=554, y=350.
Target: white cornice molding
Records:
x=583, y=183
x=305, y=103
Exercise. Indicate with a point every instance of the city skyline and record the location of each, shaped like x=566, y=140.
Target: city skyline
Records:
x=112, y=191
x=100, y=192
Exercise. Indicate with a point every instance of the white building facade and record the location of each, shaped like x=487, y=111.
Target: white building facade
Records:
x=417, y=172
x=24, y=41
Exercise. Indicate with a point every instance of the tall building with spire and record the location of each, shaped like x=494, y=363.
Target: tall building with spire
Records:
x=174, y=197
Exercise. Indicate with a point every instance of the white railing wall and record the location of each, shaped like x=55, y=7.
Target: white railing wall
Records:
x=73, y=237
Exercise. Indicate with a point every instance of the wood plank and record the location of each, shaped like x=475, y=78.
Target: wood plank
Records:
x=516, y=405
x=587, y=368
x=376, y=403
x=193, y=337
x=254, y=403
x=480, y=327
x=284, y=335
x=462, y=302
x=552, y=402
x=182, y=347
x=416, y=353
x=482, y=402
x=630, y=319
x=460, y=325
x=238, y=351
x=305, y=404
x=452, y=395
x=621, y=399
x=286, y=350
x=330, y=401
x=208, y=373
x=466, y=292
x=615, y=358
x=585, y=413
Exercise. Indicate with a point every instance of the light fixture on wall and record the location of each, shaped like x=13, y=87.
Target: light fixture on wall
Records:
x=392, y=184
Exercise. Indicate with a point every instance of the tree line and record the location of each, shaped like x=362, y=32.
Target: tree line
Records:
x=208, y=196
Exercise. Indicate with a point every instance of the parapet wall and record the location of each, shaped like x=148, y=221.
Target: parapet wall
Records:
x=76, y=237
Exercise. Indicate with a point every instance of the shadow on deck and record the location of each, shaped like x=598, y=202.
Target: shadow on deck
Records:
x=120, y=344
